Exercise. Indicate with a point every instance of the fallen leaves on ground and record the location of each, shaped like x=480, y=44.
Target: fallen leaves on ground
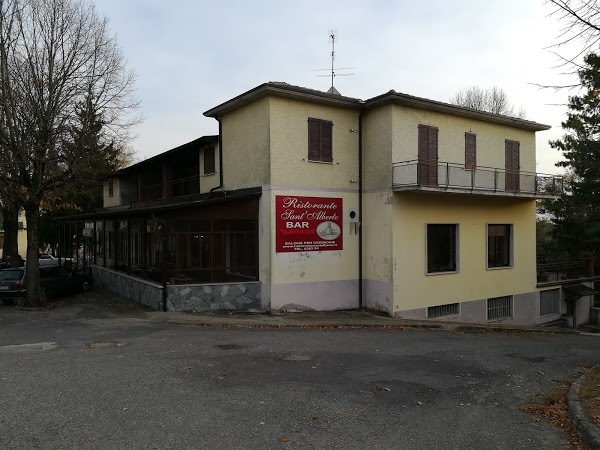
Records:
x=589, y=395
x=552, y=408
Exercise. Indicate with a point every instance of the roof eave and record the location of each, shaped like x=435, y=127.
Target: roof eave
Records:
x=455, y=110
x=209, y=139
x=293, y=92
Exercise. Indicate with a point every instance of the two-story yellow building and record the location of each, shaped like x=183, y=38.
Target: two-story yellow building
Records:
x=307, y=200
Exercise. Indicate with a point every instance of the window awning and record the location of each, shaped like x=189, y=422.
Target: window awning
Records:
x=579, y=290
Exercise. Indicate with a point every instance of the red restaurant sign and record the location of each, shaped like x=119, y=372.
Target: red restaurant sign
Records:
x=308, y=224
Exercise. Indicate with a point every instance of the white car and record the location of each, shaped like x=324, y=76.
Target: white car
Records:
x=47, y=260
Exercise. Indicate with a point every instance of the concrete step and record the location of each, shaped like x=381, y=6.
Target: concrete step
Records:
x=590, y=327
x=555, y=323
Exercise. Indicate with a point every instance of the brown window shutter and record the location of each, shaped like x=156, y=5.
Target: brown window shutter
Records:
x=320, y=138
x=433, y=143
x=470, y=151
x=423, y=142
x=209, y=161
x=314, y=140
x=326, y=139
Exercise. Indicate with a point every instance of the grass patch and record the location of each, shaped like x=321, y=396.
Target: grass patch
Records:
x=589, y=395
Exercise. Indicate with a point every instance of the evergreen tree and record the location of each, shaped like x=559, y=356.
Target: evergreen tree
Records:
x=576, y=214
x=84, y=194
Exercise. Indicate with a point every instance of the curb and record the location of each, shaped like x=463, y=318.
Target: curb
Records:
x=588, y=431
x=264, y=321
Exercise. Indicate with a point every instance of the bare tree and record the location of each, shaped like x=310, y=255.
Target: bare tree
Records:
x=493, y=100
x=580, y=20
x=55, y=55
x=578, y=35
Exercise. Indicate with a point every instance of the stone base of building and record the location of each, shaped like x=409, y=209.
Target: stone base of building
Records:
x=140, y=291
x=213, y=297
x=525, y=311
x=190, y=298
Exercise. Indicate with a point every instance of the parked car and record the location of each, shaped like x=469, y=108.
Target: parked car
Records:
x=11, y=261
x=54, y=281
x=47, y=260
x=12, y=284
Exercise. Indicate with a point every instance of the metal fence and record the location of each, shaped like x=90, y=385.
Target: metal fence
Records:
x=457, y=176
x=561, y=269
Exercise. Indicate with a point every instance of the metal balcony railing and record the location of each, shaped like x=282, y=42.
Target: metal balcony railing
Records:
x=186, y=186
x=152, y=192
x=455, y=176
x=549, y=270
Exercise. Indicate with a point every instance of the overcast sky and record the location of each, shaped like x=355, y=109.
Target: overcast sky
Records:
x=191, y=55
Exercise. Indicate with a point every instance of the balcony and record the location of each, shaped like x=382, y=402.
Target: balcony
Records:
x=152, y=192
x=440, y=176
x=186, y=186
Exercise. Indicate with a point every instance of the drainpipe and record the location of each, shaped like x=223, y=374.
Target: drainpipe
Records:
x=164, y=240
x=360, y=213
x=220, y=156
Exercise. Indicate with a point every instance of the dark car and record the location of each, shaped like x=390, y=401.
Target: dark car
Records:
x=54, y=281
x=12, y=284
x=11, y=261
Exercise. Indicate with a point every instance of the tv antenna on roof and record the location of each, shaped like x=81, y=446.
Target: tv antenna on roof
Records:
x=332, y=89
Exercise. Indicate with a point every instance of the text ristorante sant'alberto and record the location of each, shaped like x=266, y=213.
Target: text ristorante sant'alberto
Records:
x=294, y=220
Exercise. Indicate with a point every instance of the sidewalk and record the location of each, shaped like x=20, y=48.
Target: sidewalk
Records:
x=333, y=319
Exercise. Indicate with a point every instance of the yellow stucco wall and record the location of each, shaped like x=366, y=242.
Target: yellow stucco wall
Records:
x=316, y=266
x=246, y=146
x=21, y=236
x=377, y=236
x=451, y=138
x=289, y=146
x=207, y=182
x=22, y=242
x=412, y=211
x=115, y=199
x=377, y=148
x=322, y=280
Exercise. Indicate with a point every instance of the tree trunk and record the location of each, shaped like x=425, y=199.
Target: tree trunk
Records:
x=10, y=217
x=32, y=268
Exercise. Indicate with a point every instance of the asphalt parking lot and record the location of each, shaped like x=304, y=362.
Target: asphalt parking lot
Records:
x=96, y=372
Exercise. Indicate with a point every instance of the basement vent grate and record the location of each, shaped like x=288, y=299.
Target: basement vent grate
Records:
x=549, y=302
x=442, y=310
x=499, y=307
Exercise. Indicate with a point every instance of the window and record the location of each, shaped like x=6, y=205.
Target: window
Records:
x=111, y=187
x=19, y=225
x=319, y=140
x=441, y=248
x=470, y=151
x=549, y=302
x=209, y=161
x=442, y=310
x=499, y=307
x=499, y=245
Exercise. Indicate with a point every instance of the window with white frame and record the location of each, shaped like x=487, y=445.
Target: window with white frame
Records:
x=499, y=245
x=442, y=254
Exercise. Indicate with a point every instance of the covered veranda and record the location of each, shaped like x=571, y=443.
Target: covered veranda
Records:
x=205, y=239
